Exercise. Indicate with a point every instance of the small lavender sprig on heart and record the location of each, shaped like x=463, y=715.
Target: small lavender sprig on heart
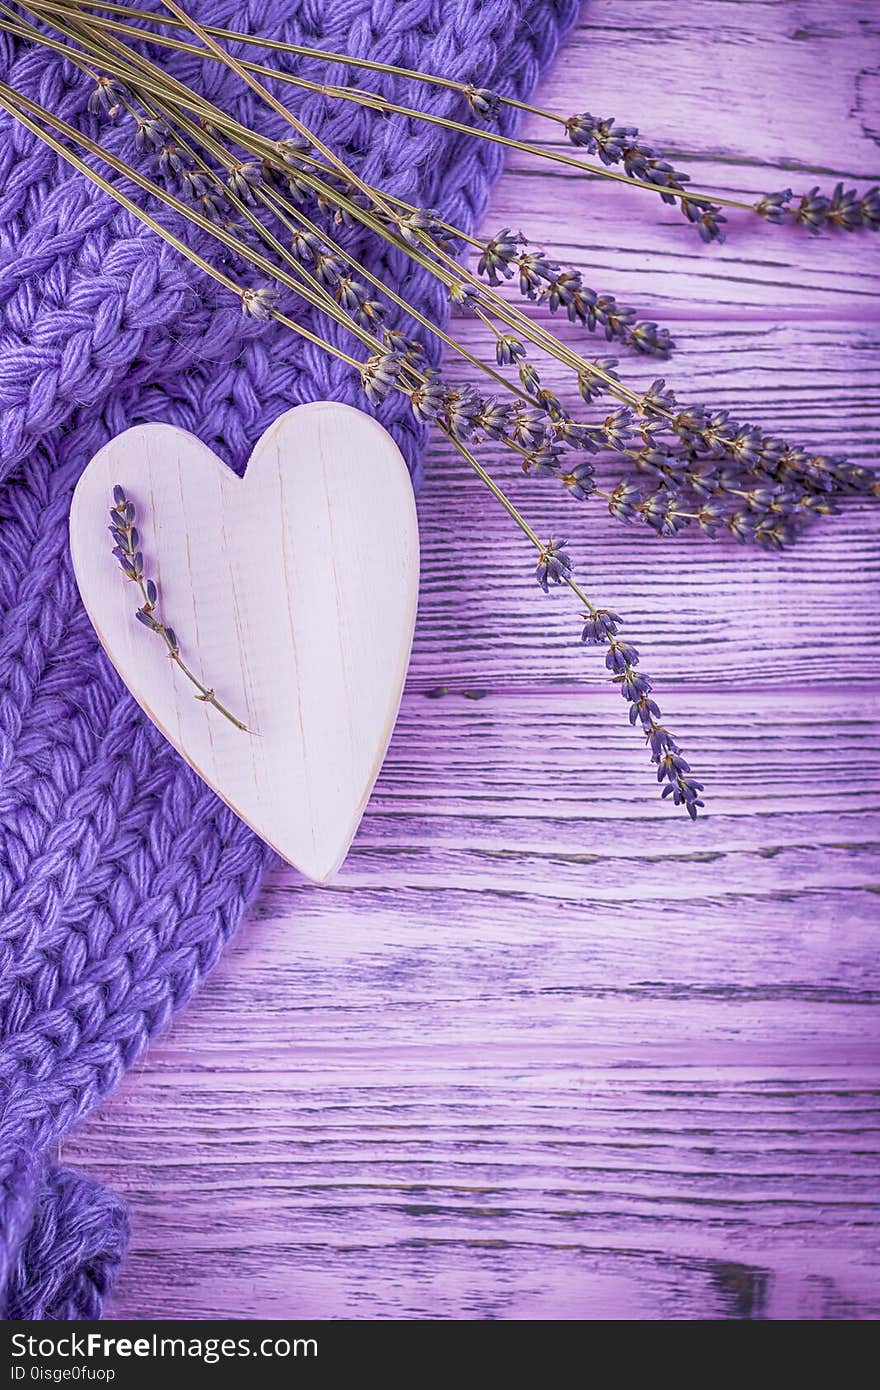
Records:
x=131, y=561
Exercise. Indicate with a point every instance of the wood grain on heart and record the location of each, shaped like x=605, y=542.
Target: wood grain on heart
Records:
x=293, y=593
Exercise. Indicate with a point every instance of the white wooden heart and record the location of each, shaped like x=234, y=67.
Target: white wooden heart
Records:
x=293, y=594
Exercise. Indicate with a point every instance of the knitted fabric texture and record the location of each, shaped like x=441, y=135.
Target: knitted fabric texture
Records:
x=121, y=875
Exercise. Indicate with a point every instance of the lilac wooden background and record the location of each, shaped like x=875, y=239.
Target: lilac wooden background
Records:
x=546, y=1049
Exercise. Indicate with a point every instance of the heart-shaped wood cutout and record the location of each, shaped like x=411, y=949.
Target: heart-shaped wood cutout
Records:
x=293, y=595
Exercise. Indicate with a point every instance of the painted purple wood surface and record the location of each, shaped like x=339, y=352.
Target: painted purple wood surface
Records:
x=545, y=1049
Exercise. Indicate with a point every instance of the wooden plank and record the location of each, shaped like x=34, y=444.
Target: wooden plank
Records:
x=715, y=94
x=364, y=1185
x=528, y=1058
x=546, y=1049
x=706, y=613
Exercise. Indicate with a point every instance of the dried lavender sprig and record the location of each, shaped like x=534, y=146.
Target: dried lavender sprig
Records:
x=772, y=518
x=766, y=497
x=770, y=490
x=601, y=628
x=270, y=100
x=334, y=272
x=752, y=504
x=712, y=453
x=475, y=97
x=506, y=256
x=127, y=550
x=177, y=160
x=845, y=209
x=619, y=144
x=237, y=188
x=539, y=278
x=614, y=144
x=260, y=303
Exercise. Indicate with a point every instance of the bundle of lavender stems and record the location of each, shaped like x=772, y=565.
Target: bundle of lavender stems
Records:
x=283, y=207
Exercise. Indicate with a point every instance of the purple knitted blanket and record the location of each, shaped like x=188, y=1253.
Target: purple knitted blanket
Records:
x=121, y=875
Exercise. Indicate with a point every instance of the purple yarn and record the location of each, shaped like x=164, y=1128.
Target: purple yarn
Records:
x=121, y=875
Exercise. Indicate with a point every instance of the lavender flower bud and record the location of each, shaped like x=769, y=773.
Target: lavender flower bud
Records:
x=463, y=407
x=150, y=133
x=172, y=159
x=845, y=209
x=484, y=103
x=428, y=398
x=554, y=564
x=508, y=349
x=871, y=209
x=575, y=435
x=493, y=419
x=564, y=289
x=535, y=270
x=580, y=481
x=650, y=339
x=600, y=625
x=497, y=256
x=542, y=462
x=463, y=297
x=812, y=211
x=528, y=376
x=706, y=217
x=528, y=427
x=623, y=500
x=106, y=98
x=379, y=375
x=259, y=304
x=613, y=141
x=773, y=207
x=710, y=518
x=618, y=427
x=620, y=655
x=659, y=399
x=242, y=179
x=348, y=292
x=685, y=792
x=369, y=313
x=291, y=150
x=581, y=130
x=329, y=269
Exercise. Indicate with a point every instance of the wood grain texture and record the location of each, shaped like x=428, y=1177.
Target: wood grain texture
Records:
x=293, y=592
x=546, y=1049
